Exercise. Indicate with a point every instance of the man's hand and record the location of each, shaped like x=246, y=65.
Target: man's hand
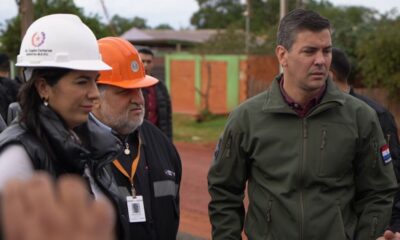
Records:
x=38, y=210
x=389, y=235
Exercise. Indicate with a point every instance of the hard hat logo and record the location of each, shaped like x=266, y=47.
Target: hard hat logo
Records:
x=134, y=66
x=38, y=39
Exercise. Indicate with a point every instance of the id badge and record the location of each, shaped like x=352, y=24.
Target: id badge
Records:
x=136, y=209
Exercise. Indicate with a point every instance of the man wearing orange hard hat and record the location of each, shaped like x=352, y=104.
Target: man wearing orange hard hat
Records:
x=148, y=170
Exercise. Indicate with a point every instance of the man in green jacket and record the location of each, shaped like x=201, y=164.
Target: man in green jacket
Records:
x=314, y=159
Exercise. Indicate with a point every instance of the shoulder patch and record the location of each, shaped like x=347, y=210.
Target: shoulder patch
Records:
x=385, y=153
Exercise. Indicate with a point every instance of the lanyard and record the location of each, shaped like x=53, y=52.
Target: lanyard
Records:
x=133, y=170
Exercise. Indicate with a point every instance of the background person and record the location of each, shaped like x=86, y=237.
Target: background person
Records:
x=8, y=87
x=158, y=102
x=148, y=171
x=340, y=69
x=314, y=158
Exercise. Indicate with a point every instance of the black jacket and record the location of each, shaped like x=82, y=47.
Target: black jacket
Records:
x=164, y=109
x=62, y=154
x=8, y=94
x=157, y=179
x=3, y=124
x=389, y=129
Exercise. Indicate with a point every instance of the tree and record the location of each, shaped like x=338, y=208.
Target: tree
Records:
x=10, y=37
x=123, y=24
x=164, y=26
x=218, y=14
x=229, y=41
x=379, y=56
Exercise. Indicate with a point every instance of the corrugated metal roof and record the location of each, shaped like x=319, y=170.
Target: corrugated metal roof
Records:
x=193, y=36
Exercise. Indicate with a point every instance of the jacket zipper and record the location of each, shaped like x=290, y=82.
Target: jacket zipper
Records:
x=322, y=153
x=269, y=211
x=375, y=147
x=227, y=150
x=373, y=229
x=305, y=136
x=268, y=218
x=323, y=142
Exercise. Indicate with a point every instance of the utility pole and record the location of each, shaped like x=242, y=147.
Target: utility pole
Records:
x=110, y=23
x=247, y=15
x=283, y=8
x=26, y=12
x=283, y=12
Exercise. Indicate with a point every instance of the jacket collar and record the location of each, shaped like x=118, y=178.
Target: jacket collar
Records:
x=64, y=145
x=99, y=139
x=274, y=102
x=74, y=149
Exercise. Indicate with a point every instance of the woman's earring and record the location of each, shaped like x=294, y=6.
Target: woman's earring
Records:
x=45, y=102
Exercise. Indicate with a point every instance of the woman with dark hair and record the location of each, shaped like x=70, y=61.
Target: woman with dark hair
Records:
x=61, y=60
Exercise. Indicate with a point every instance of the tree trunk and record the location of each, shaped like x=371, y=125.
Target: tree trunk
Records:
x=300, y=3
x=26, y=12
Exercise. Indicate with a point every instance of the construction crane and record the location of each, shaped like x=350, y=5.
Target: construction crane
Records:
x=110, y=23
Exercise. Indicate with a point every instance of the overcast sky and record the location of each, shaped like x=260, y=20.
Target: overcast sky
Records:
x=176, y=13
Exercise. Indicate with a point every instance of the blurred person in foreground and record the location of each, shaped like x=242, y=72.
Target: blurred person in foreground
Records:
x=61, y=62
x=148, y=171
x=157, y=99
x=39, y=209
x=314, y=158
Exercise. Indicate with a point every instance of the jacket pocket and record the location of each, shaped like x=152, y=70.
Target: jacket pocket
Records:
x=258, y=220
x=374, y=225
x=343, y=233
x=335, y=158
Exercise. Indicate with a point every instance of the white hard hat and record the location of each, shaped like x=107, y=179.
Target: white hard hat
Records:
x=63, y=41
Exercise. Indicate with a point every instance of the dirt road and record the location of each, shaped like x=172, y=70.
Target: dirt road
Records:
x=196, y=160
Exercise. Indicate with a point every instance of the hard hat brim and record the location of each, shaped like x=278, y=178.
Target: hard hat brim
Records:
x=83, y=65
x=144, y=82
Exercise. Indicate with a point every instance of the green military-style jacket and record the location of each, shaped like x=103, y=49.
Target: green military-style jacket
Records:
x=318, y=177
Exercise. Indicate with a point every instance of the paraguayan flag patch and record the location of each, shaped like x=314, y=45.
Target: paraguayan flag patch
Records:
x=386, y=154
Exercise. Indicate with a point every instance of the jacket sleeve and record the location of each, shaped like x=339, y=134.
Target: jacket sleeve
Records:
x=389, y=129
x=374, y=179
x=3, y=124
x=395, y=220
x=226, y=183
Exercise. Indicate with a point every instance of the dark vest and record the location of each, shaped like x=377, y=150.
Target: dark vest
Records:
x=61, y=153
x=157, y=179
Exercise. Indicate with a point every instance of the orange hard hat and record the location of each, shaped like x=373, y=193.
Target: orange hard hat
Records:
x=127, y=67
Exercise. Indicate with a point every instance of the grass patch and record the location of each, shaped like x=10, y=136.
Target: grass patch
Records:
x=187, y=129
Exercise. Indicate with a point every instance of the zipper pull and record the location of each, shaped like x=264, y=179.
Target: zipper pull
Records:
x=305, y=130
x=133, y=191
x=269, y=211
x=323, y=142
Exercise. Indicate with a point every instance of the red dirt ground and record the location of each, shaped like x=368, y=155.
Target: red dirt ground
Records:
x=196, y=160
